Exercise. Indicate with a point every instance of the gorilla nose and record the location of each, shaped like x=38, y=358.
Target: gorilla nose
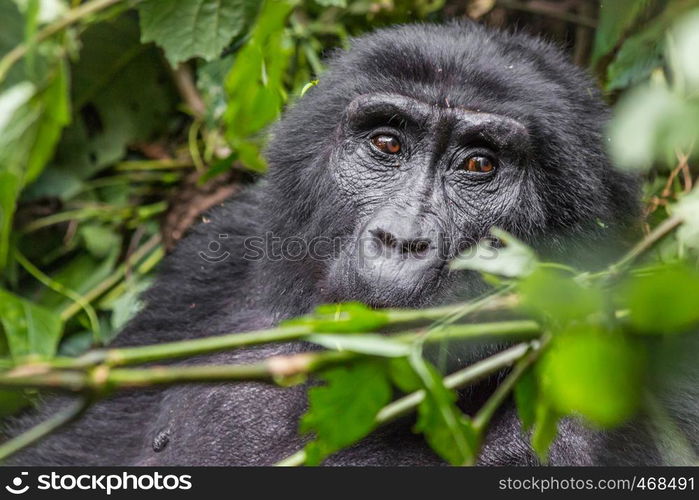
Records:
x=410, y=246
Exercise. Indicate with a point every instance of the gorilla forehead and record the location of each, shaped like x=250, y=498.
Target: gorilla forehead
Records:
x=473, y=67
x=460, y=65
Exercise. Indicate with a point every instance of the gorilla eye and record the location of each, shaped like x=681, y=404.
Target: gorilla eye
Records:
x=481, y=164
x=386, y=143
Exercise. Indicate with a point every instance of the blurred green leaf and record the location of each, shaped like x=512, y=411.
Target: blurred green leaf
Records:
x=29, y=329
x=634, y=33
x=526, y=395
x=651, y=124
x=615, y=18
x=344, y=410
x=255, y=83
x=29, y=130
x=48, y=10
x=11, y=34
x=593, y=373
x=191, y=28
x=686, y=48
x=403, y=376
x=350, y=317
x=110, y=114
x=688, y=209
x=664, y=301
x=514, y=260
x=128, y=304
x=545, y=430
x=448, y=431
x=553, y=295
x=99, y=240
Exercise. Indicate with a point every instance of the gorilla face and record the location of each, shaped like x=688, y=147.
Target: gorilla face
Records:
x=420, y=139
x=425, y=181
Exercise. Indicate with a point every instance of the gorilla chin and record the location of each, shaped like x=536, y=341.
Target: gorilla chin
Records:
x=415, y=143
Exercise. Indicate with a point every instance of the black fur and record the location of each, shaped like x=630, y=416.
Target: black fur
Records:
x=554, y=188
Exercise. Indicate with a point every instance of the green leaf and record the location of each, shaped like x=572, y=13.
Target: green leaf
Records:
x=526, y=395
x=100, y=240
x=545, y=430
x=344, y=410
x=109, y=114
x=664, y=301
x=350, y=317
x=447, y=430
x=11, y=35
x=29, y=329
x=11, y=401
x=10, y=185
x=80, y=274
x=513, y=261
x=686, y=42
x=194, y=28
x=553, y=295
x=33, y=117
x=374, y=345
x=403, y=376
x=615, y=19
x=643, y=50
x=594, y=373
x=255, y=84
x=128, y=304
x=651, y=125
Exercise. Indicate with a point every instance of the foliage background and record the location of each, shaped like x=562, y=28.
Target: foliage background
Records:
x=122, y=121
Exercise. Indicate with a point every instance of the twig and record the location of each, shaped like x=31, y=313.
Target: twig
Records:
x=657, y=234
x=207, y=345
x=184, y=81
x=43, y=429
x=95, y=369
x=480, y=421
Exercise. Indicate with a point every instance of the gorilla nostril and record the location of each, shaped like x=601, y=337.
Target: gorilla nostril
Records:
x=417, y=247
x=387, y=239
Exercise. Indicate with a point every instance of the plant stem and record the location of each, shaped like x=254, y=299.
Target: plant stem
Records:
x=113, y=278
x=66, y=373
x=43, y=429
x=480, y=421
x=657, y=234
x=61, y=289
x=206, y=345
x=71, y=17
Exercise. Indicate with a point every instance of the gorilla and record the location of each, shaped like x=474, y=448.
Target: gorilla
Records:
x=415, y=143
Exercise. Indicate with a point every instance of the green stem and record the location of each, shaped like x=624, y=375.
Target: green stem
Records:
x=150, y=165
x=43, y=429
x=113, y=278
x=70, y=374
x=207, y=345
x=480, y=421
x=62, y=289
